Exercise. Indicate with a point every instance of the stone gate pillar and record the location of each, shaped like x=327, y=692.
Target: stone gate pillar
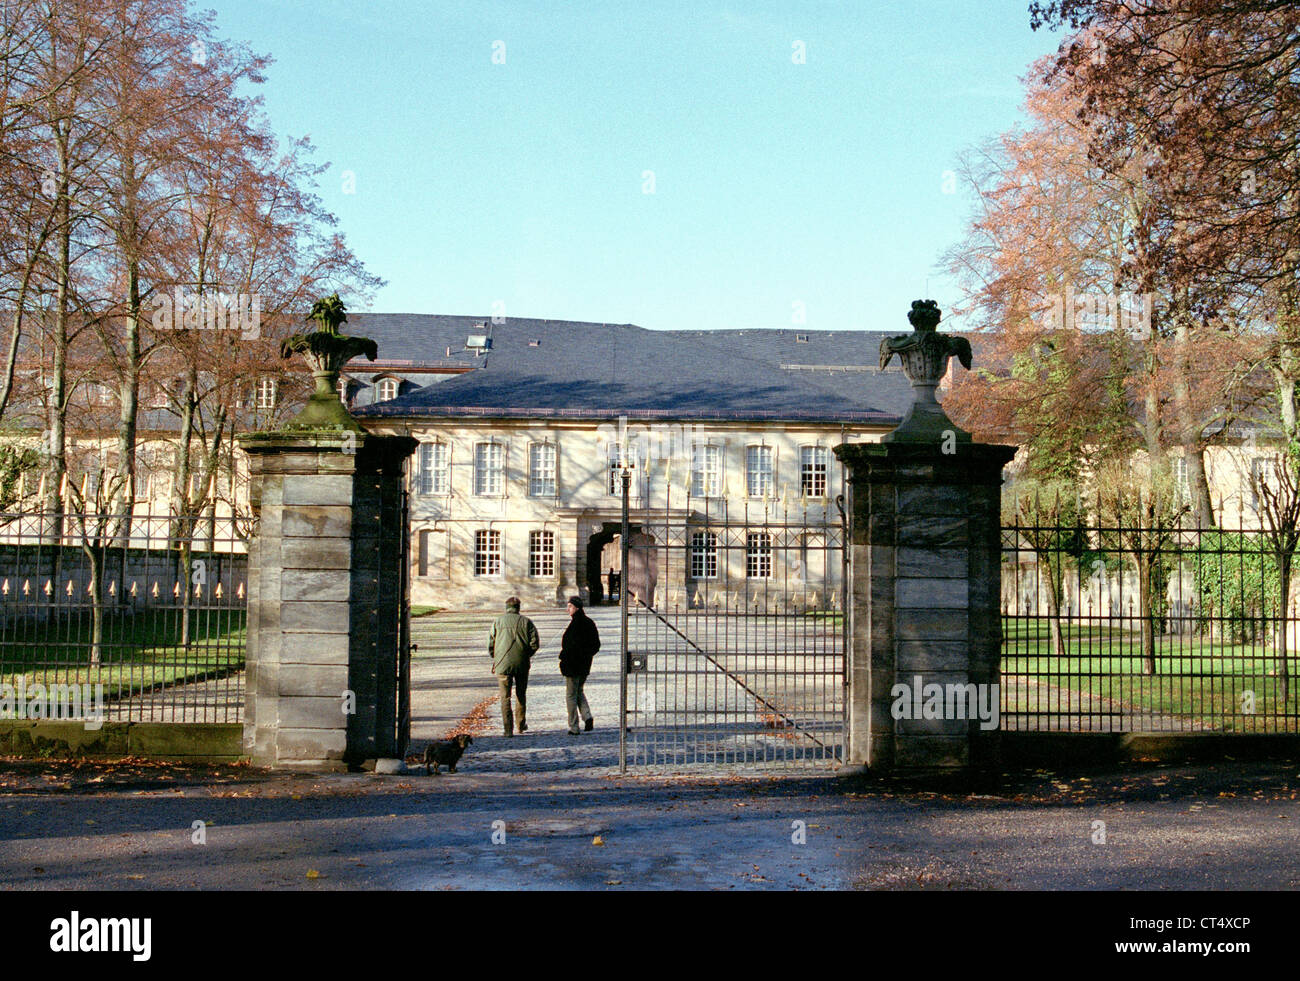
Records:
x=324, y=598
x=924, y=662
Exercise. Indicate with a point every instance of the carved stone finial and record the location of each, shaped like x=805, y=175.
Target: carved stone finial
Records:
x=924, y=315
x=924, y=355
x=326, y=351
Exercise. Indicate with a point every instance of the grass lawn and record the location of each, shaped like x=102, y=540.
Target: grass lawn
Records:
x=1198, y=680
x=139, y=651
x=424, y=611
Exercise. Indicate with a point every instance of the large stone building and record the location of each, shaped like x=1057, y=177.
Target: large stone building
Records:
x=524, y=428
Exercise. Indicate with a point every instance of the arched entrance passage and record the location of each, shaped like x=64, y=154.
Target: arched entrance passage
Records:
x=603, y=557
x=596, y=571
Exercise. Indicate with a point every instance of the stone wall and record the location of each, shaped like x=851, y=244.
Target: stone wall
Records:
x=142, y=578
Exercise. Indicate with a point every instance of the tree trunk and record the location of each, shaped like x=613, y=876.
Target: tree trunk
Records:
x=92, y=546
x=186, y=571
x=1054, y=617
x=1284, y=601
x=212, y=472
x=1148, y=636
x=1198, y=485
x=20, y=305
x=57, y=409
x=184, y=468
x=129, y=398
x=96, y=606
x=1189, y=428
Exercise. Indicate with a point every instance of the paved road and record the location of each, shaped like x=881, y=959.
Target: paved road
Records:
x=527, y=812
x=1233, y=826
x=451, y=675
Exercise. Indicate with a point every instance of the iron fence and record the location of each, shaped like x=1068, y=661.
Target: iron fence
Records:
x=142, y=619
x=1143, y=625
x=735, y=634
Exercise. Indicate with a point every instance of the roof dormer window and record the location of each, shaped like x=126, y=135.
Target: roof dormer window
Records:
x=386, y=389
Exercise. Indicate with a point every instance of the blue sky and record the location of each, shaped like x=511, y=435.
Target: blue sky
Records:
x=777, y=187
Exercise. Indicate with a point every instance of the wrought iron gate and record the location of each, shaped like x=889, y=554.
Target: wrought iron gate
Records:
x=736, y=634
x=403, y=734
x=382, y=556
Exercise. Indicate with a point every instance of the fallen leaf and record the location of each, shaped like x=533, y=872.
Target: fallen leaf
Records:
x=313, y=874
x=598, y=841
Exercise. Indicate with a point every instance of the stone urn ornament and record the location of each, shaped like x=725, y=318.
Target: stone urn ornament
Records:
x=326, y=351
x=924, y=356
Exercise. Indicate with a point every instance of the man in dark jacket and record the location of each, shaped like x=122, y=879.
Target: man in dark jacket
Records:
x=511, y=645
x=580, y=643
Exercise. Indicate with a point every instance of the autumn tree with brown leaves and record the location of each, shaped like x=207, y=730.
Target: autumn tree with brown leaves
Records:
x=1094, y=349
x=139, y=166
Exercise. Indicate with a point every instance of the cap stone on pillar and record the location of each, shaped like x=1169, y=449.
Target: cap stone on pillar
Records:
x=926, y=567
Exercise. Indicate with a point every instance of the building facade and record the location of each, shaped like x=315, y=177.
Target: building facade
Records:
x=535, y=508
x=727, y=438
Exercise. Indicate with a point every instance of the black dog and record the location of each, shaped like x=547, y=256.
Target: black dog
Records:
x=447, y=751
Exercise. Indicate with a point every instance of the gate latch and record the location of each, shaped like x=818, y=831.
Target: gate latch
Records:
x=636, y=663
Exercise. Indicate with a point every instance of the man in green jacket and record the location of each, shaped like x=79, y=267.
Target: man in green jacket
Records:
x=511, y=645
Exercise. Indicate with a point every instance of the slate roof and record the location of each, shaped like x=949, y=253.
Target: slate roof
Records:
x=585, y=370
